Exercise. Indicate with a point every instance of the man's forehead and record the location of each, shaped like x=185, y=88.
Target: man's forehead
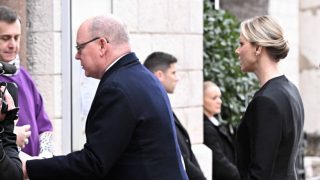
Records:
x=12, y=29
x=13, y=34
x=82, y=31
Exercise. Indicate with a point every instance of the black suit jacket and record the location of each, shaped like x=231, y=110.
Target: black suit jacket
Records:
x=221, y=142
x=192, y=166
x=130, y=132
x=270, y=131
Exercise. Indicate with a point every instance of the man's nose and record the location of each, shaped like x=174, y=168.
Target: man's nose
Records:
x=77, y=56
x=177, y=78
x=12, y=42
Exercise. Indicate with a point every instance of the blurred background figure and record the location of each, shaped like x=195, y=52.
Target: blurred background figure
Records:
x=163, y=66
x=218, y=136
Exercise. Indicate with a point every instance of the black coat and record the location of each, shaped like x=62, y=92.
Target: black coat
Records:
x=130, y=132
x=191, y=164
x=10, y=164
x=270, y=131
x=220, y=141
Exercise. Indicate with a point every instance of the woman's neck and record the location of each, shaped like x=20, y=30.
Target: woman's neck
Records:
x=207, y=113
x=267, y=69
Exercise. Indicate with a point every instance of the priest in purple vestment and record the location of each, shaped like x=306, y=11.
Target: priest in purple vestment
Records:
x=33, y=128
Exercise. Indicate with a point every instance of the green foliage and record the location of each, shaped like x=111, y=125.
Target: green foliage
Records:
x=221, y=65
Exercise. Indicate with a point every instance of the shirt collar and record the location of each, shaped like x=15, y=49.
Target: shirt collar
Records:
x=114, y=62
x=214, y=121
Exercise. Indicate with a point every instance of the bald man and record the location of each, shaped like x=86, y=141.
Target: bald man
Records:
x=130, y=128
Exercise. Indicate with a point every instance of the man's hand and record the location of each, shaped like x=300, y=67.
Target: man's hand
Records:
x=24, y=157
x=23, y=133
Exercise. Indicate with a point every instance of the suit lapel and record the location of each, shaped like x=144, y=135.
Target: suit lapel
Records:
x=224, y=131
x=180, y=126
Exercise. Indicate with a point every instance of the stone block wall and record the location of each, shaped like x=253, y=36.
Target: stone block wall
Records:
x=43, y=30
x=245, y=9
x=310, y=60
x=309, y=80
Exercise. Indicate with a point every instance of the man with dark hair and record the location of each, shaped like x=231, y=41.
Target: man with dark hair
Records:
x=33, y=128
x=163, y=66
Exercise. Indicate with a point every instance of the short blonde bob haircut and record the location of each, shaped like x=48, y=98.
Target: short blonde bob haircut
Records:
x=265, y=31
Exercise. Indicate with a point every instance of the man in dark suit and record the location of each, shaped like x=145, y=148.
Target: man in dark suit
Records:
x=130, y=129
x=163, y=66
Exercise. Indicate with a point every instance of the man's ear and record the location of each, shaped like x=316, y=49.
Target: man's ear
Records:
x=158, y=74
x=103, y=46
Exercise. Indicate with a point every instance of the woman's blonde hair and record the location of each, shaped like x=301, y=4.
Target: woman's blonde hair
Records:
x=207, y=84
x=265, y=31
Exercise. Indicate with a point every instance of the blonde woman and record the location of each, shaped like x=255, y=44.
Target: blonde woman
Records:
x=271, y=128
x=217, y=135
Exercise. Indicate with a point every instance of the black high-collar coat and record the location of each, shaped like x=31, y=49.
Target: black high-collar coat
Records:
x=269, y=134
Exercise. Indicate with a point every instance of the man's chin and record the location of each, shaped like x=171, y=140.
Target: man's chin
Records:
x=8, y=59
x=170, y=92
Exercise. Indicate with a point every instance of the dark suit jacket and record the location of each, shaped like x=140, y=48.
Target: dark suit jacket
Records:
x=220, y=141
x=192, y=166
x=130, y=132
x=270, y=131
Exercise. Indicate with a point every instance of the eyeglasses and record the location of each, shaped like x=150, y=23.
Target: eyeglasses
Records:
x=82, y=45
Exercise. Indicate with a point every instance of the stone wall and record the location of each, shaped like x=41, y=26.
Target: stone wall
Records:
x=310, y=78
x=245, y=9
x=44, y=56
x=310, y=60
